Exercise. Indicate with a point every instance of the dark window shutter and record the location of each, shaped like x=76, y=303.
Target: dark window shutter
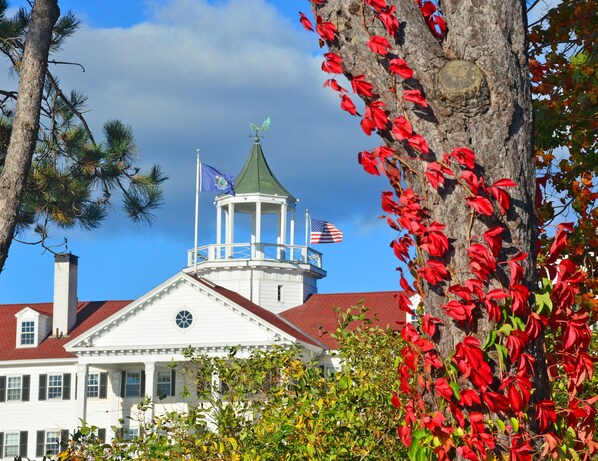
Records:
x=142, y=387
x=43, y=380
x=102, y=435
x=23, y=444
x=103, y=385
x=173, y=382
x=26, y=386
x=1, y=445
x=64, y=439
x=39, y=447
x=66, y=386
x=2, y=388
x=123, y=382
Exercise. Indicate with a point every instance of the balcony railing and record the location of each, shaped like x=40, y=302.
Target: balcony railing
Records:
x=255, y=252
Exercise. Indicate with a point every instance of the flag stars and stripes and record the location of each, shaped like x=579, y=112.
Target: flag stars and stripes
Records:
x=324, y=232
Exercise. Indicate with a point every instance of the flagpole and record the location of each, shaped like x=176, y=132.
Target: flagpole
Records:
x=197, y=189
x=307, y=228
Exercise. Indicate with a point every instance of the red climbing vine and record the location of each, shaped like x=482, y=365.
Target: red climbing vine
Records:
x=479, y=401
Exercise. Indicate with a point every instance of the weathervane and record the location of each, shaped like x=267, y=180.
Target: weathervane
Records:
x=257, y=129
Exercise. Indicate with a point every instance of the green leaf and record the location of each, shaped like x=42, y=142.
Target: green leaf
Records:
x=455, y=388
x=489, y=340
x=501, y=425
x=514, y=423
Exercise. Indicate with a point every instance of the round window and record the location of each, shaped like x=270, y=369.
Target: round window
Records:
x=184, y=319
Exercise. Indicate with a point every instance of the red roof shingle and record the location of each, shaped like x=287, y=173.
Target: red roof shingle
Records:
x=89, y=314
x=317, y=316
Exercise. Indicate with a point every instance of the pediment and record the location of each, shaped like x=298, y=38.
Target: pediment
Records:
x=179, y=313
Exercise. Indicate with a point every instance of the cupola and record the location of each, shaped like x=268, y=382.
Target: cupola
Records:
x=255, y=253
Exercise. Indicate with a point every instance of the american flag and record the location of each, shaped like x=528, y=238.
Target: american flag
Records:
x=324, y=232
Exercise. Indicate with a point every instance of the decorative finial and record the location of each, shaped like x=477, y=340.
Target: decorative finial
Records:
x=257, y=129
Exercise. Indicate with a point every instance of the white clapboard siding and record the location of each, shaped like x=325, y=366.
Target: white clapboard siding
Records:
x=214, y=323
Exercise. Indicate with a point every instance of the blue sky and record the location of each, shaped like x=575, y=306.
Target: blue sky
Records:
x=194, y=73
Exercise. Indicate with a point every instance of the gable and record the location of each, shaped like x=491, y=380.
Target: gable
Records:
x=218, y=320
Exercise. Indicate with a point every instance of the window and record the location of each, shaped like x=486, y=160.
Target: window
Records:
x=129, y=433
x=28, y=333
x=279, y=293
x=11, y=444
x=164, y=384
x=184, y=319
x=93, y=385
x=54, y=386
x=133, y=384
x=53, y=442
x=13, y=388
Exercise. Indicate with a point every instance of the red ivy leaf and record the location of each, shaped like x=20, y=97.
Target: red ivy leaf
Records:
x=493, y=239
x=377, y=4
x=401, y=128
x=516, y=268
x=395, y=400
x=443, y=388
x=429, y=324
x=388, y=203
x=502, y=197
x=472, y=181
x=418, y=143
x=390, y=21
x=347, y=104
x=428, y=9
x=460, y=311
x=519, y=296
x=464, y=156
x=545, y=413
x=306, y=22
x=384, y=152
x=361, y=86
x=441, y=23
x=379, y=45
x=332, y=83
x=434, y=241
x=325, y=29
x=434, y=272
x=505, y=182
x=480, y=204
x=560, y=240
x=368, y=162
x=332, y=63
x=415, y=96
x=400, y=67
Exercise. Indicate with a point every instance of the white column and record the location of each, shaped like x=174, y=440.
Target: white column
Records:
x=218, y=223
x=230, y=229
x=283, y=230
x=258, y=230
x=116, y=410
x=292, y=230
x=82, y=391
x=150, y=385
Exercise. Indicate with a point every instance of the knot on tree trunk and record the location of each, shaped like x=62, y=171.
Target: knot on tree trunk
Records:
x=462, y=86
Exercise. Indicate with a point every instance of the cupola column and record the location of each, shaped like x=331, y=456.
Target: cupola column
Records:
x=283, y=231
x=218, y=224
x=292, y=224
x=257, y=231
x=230, y=229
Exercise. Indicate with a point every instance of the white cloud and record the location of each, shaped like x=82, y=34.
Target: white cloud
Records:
x=196, y=73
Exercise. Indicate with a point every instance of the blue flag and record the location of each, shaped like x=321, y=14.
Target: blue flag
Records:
x=214, y=181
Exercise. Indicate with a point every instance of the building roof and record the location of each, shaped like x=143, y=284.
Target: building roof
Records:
x=89, y=314
x=257, y=177
x=311, y=323
x=318, y=318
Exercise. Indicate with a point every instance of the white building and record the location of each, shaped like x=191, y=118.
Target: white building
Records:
x=67, y=360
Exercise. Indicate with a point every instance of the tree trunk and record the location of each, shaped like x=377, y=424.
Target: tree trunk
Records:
x=32, y=71
x=477, y=86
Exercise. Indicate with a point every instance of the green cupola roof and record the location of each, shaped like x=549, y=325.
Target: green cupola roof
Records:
x=257, y=177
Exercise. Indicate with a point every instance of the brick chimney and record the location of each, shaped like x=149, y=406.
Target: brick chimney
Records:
x=65, y=294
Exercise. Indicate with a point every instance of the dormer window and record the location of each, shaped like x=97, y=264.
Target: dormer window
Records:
x=27, y=333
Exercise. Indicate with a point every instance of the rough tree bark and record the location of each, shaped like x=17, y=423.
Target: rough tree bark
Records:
x=477, y=86
x=32, y=71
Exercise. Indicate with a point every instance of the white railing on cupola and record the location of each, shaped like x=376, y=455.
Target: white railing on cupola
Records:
x=296, y=254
